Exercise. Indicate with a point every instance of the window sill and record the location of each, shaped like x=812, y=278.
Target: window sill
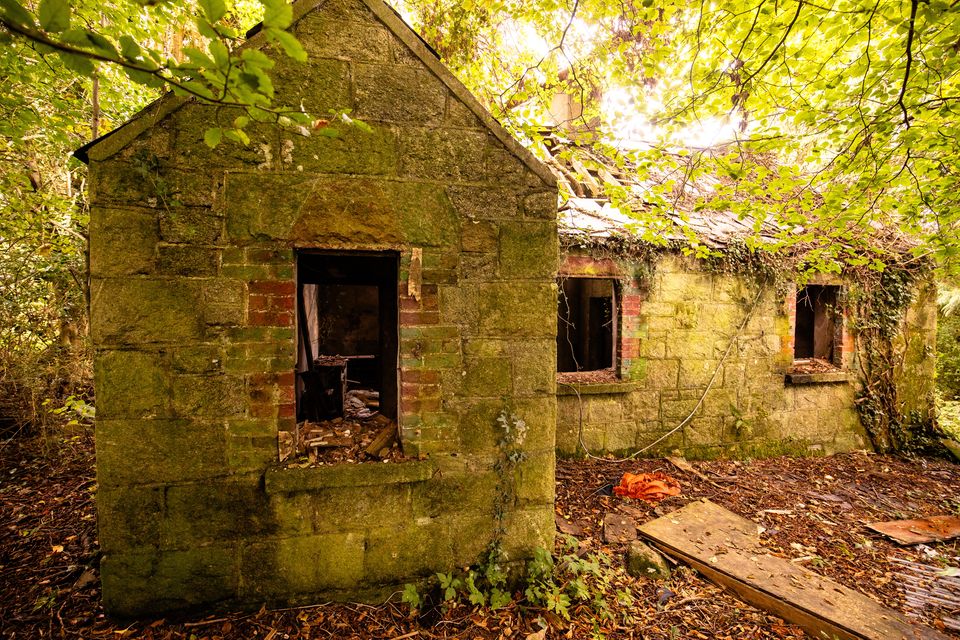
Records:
x=594, y=388
x=824, y=377
x=293, y=480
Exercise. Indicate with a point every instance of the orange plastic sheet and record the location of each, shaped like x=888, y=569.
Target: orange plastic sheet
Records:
x=647, y=486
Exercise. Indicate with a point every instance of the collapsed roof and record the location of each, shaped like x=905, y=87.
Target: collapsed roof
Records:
x=587, y=213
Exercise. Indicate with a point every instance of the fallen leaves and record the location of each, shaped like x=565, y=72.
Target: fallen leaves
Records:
x=47, y=505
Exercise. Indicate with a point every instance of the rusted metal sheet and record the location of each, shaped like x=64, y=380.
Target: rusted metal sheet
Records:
x=727, y=549
x=932, y=529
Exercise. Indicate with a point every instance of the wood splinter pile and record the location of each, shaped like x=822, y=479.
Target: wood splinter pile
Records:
x=361, y=434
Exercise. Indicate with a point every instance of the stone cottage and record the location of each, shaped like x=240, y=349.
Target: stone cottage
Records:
x=253, y=307
x=659, y=352
x=434, y=235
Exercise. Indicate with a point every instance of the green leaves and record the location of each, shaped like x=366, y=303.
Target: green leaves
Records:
x=288, y=42
x=278, y=14
x=212, y=137
x=214, y=10
x=411, y=596
x=15, y=13
x=54, y=15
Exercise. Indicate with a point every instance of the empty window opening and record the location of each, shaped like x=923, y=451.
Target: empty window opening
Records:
x=586, y=324
x=817, y=324
x=347, y=353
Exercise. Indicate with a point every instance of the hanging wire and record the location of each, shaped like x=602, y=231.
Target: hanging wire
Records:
x=689, y=417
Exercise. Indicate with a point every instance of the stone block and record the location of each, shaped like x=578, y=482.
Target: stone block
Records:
x=479, y=266
x=540, y=415
x=131, y=384
x=144, y=310
x=478, y=236
x=320, y=84
x=466, y=492
x=652, y=432
x=146, y=581
x=470, y=536
x=486, y=377
x=207, y=396
x=529, y=529
x=641, y=405
x=644, y=562
x=528, y=249
x=692, y=345
x=534, y=368
x=199, y=514
x=620, y=436
x=350, y=10
x=484, y=203
x=122, y=241
x=478, y=427
x=190, y=225
x=593, y=437
x=603, y=409
x=287, y=567
x=129, y=517
x=399, y=93
x=684, y=287
x=442, y=154
x=502, y=166
x=348, y=212
x=568, y=424
x=696, y=374
x=187, y=260
x=720, y=402
x=325, y=36
x=518, y=308
x=542, y=205
x=360, y=508
x=704, y=431
x=459, y=115
x=223, y=301
x=351, y=151
x=154, y=451
x=420, y=548
x=535, y=479
x=660, y=374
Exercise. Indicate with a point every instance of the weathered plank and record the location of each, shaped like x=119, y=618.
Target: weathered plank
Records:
x=727, y=549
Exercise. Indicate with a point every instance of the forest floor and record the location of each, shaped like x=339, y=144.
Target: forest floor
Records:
x=814, y=510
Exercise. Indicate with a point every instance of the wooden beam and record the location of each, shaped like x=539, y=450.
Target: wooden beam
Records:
x=727, y=550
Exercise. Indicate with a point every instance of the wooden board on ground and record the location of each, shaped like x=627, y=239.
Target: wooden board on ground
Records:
x=932, y=529
x=727, y=549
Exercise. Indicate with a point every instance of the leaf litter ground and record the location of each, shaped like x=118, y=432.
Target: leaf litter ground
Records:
x=814, y=510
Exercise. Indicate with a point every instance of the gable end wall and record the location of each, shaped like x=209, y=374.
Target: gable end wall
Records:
x=193, y=283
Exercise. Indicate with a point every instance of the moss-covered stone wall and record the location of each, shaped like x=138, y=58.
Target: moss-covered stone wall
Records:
x=676, y=321
x=948, y=355
x=917, y=344
x=193, y=307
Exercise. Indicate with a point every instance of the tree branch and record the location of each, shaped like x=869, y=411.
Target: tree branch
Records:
x=914, y=4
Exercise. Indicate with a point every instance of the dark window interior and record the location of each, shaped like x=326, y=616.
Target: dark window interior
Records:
x=347, y=332
x=586, y=324
x=816, y=332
